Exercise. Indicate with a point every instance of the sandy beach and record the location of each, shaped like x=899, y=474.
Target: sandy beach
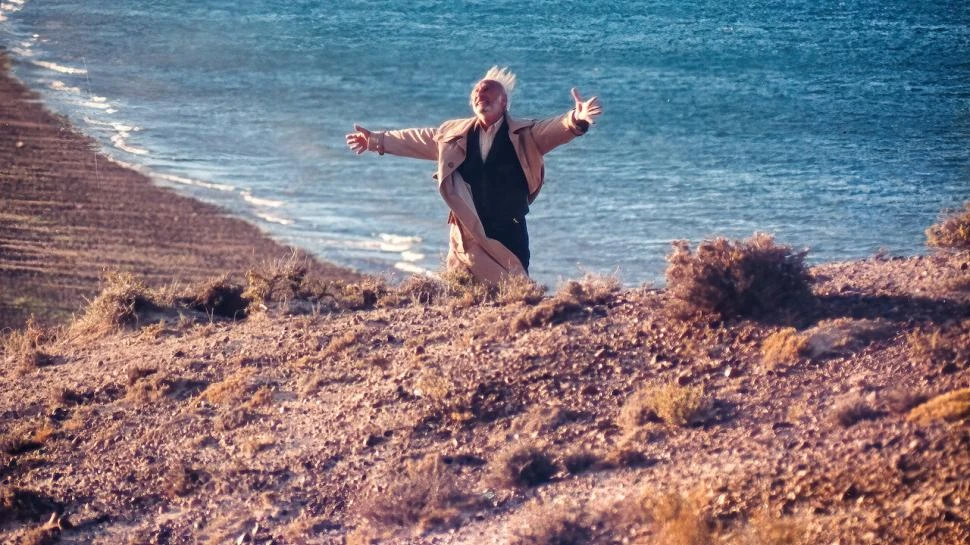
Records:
x=67, y=214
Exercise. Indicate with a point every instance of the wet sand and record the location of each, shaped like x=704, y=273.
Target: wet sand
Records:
x=67, y=214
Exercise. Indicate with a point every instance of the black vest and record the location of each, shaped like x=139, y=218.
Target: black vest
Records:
x=500, y=190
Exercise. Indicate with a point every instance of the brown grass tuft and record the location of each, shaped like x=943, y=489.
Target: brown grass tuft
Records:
x=521, y=465
x=783, y=347
x=219, y=297
x=952, y=231
x=674, y=404
x=853, y=409
x=181, y=480
x=679, y=520
x=424, y=494
x=767, y=529
x=750, y=278
x=22, y=347
x=950, y=407
x=947, y=347
x=571, y=298
x=418, y=290
x=276, y=280
x=464, y=290
x=519, y=288
x=121, y=303
x=234, y=388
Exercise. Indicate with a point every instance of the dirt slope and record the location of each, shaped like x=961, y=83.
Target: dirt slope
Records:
x=397, y=423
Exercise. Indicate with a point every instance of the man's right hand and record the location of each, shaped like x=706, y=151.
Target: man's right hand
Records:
x=357, y=140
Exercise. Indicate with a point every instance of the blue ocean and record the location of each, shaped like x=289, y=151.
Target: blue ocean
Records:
x=842, y=127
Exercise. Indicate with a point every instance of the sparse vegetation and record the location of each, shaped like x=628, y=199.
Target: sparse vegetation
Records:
x=949, y=407
x=952, y=231
x=23, y=347
x=945, y=347
x=570, y=299
x=679, y=519
x=424, y=495
x=522, y=464
x=124, y=301
x=520, y=288
x=853, y=409
x=785, y=346
x=750, y=278
x=674, y=404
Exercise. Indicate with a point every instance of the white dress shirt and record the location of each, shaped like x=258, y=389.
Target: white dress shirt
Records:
x=486, y=137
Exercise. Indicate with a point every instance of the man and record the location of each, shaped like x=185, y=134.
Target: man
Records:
x=490, y=169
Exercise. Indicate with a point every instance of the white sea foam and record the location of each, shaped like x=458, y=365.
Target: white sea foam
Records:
x=119, y=142
x=398, y=239
x=20, y=51
x=58, y=85
x=59, y=67
x=197, y=183
x=96, y=105
x=274, y=219
x=411, y=256
x=411, y=268
x=269, y=203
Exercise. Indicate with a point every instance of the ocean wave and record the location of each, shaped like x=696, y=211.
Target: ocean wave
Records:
x=411, y=257
x=119, y=142
x=248, y=197
x=197, y=183
x=60, y=68
x=274, y=219
x=19, y=51
x=58, y=85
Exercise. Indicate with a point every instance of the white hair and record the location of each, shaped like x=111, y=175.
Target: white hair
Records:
x=503, y=77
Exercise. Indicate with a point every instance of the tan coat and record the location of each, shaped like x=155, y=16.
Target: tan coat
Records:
x=486, y=258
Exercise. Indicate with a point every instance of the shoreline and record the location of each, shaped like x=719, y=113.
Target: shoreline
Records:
x=68, y=213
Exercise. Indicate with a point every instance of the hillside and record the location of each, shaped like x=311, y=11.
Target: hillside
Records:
x=421, y=415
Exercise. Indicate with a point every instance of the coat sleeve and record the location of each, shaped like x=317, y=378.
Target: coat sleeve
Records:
x=416, y=143
x=555, y=131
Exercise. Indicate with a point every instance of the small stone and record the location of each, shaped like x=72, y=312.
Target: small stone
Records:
x=730, y=372
x=20, y=144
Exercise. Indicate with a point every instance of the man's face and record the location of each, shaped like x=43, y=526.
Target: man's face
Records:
x=488, y=101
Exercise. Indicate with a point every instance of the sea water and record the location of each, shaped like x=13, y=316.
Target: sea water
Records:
x=840, y=127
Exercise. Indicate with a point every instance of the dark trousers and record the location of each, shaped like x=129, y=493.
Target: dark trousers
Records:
x=513, y=233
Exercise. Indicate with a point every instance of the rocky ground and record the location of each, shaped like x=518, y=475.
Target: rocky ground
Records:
x=592, y=415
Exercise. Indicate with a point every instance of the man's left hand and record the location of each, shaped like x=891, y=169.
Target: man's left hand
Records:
x=586, y=110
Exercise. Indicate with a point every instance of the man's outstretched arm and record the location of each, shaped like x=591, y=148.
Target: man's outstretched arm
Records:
x=416, y=143
x=556, y=131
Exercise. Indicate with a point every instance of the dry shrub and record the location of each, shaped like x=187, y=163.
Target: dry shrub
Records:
x=519, y=288
x=138, y=372
x=262, y=397
x=678, y=519
x=231, y=389
x=783, y=347
x=26, y=438
x=843, y=336
x=22, y=347
x=950, y=407
x=947, y=347
x=571, y=298
x=521, y=465
x=464, y=290
x=952, y=231
x=21, y=504
x=853, y=409
x=360, y=295
x=142, y=392
x=276, y=280
x=122, y=302
x=555, y=524
x=750, y=278
x=253, y=445
x=341, y=343
x=181, y=480
x=424, y=494
x=591, y=289
x=417, y=290
x=218, y=297
x=674, y=404
x=580, y=461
